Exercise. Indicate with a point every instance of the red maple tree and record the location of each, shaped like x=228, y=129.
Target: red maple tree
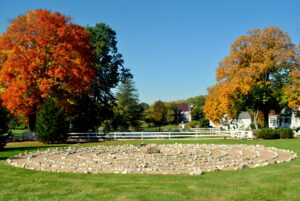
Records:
x=43, y=55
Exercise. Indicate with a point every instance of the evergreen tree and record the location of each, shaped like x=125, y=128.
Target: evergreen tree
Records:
x=85, y=116
x=108, y=63
x=4, y=120
x=128, y=111
x=51, y=124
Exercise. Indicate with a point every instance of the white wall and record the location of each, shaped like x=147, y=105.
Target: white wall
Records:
x=295, y=121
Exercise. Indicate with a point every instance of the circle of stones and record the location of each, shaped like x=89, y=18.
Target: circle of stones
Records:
x=193, y=159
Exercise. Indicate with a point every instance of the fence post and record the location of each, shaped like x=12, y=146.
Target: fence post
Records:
x=196, y=134
x=169, y=135
x=115, y=136
x=142, y=135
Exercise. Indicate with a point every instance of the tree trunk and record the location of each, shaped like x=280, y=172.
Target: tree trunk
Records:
x=266, y=118
x=32, y=121
x=255, y=119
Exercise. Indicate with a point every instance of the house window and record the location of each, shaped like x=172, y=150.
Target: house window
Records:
x=273, y=121
x=287, y=120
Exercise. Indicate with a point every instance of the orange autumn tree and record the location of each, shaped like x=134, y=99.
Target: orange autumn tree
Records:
x=252, y=78
x=43, y=55
x=292, y=90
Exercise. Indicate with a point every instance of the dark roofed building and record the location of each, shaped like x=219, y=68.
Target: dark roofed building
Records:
x=185, y=110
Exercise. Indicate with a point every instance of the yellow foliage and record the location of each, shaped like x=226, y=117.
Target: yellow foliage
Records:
x=252, y=60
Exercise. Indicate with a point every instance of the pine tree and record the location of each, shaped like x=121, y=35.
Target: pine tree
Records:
x=128, y=111
x=51, y=124
x=4, y=120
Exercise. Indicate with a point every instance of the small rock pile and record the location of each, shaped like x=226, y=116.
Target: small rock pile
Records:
x=193, y=159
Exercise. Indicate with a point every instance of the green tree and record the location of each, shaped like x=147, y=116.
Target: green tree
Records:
x=157, y=114
x=4, y=121
x=172, y=114
x=83, y=117
x=203, y=123
x=197, y=109
x=145, y=106
x=128, y=111
x=110, y=71
x=51, y=126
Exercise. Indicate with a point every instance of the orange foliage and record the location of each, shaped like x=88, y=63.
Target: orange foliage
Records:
x=293, y=90
x=252, y=60
x=43, y=55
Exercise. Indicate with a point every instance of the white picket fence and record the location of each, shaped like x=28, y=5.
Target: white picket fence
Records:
x=195, y=134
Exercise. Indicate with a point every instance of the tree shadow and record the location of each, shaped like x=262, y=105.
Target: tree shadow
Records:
x=20, y=150
x=5, y=151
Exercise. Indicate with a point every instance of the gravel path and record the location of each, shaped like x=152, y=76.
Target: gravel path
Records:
x=193, y=159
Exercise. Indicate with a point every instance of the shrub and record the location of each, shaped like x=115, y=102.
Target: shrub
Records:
x=51, y=126
x=204, y=123
x=285, y=133
x=192, y=124
x=267, y=133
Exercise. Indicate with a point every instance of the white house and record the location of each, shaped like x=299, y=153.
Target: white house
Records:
x=243, y=122
x=185, y=110
x=287, y=119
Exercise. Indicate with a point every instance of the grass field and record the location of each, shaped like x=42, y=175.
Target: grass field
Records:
x=18, y=132
x=276, y=182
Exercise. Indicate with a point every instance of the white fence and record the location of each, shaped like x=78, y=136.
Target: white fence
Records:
x=196, y=134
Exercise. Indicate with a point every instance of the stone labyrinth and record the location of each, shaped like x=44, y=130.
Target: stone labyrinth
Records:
x=193, y=159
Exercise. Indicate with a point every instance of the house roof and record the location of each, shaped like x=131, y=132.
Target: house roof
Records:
x=185, y=107
x=244, y=115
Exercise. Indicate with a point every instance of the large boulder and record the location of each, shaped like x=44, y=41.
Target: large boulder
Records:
x=150, y=149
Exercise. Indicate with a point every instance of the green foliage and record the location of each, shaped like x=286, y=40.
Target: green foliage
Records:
x=110, y=71
x=203, y=123
x=84, y=116
x=172, y=114
x=128, y=111
x=197, y=109
x=192, y=124
x=4, y=121
x=156, y=114
x=267, y=133
x=51, y=126
x=285, y=133
x=107, y=126
x=159, y=113
x=145, y=106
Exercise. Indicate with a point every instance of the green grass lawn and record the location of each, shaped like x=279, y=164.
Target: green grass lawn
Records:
x=18, y=132
x=275, y=182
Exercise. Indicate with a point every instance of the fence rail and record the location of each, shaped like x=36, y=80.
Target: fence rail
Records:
x=198, y=134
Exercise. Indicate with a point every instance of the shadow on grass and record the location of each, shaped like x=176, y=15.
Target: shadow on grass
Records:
x=11, y=151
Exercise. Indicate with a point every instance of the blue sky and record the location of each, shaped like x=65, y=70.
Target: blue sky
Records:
x=172, y=47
